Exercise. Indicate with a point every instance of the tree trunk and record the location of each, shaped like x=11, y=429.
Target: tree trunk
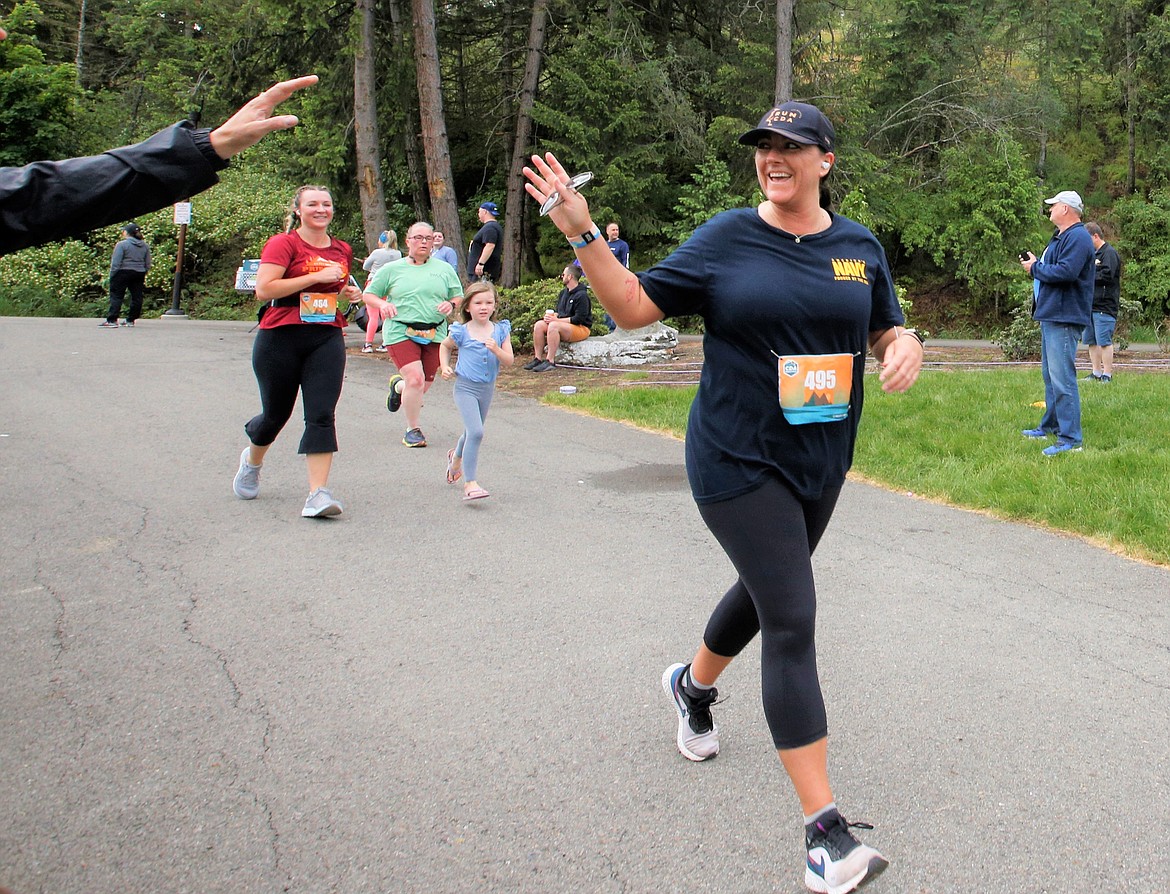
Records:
x=531, y=238
x=411, y=148
x=1130, y=106
x=516, y=204
x=365, y=128
x=434, y=129
x=80, y=59
x=784, y=9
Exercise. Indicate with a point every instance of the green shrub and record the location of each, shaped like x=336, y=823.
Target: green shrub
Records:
x=1021, y=339
x=63, y=279
x=1144, y=246
x=1162, y=333
x=708, y=193
x=1129, y=314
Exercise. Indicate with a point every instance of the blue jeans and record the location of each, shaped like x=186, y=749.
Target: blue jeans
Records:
x=1058, y=364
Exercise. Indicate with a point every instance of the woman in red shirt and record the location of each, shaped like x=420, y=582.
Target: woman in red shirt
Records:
x=300, y=346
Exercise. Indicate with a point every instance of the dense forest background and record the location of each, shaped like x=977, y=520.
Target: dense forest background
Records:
x=954, y=121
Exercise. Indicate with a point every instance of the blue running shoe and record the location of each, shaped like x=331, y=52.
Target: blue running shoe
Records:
x=1061, y=447
x=1036, y=433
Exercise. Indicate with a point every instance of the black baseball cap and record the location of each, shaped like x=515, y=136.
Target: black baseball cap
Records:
x=799, y=121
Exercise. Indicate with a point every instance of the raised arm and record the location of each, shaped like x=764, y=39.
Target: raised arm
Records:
x=616, y=288
x=50, y=200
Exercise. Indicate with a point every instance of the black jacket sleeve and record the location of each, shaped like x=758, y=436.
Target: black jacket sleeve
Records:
x=50, y=200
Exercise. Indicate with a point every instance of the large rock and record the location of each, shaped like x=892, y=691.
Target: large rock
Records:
x=622, y=347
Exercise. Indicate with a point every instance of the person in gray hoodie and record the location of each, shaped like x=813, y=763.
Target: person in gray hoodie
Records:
x=128, y=269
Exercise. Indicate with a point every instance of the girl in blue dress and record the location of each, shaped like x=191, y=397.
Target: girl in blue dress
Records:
x=483, y=344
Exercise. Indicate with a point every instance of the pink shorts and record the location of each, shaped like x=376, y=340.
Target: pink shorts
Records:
x=408, y=351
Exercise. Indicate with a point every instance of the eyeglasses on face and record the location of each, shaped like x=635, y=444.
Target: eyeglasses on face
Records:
x=417, y=238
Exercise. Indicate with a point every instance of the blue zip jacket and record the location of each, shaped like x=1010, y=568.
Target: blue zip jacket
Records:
x=1065, y=278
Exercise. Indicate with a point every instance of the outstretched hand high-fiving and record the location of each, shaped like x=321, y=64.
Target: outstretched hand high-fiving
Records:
x=254, y=120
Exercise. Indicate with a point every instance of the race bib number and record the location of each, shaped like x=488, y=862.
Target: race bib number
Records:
x=318, y=307
x=815, y=387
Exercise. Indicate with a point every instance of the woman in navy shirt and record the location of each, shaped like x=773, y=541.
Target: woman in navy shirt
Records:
x=791, y=295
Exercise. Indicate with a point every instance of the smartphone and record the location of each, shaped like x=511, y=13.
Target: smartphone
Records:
x=1024, y=255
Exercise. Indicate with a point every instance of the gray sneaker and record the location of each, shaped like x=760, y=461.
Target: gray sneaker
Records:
x=414, y=438
x=321, y=504
x=247, y=483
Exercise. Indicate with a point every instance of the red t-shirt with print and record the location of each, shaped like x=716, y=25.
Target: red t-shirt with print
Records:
x=297, y=257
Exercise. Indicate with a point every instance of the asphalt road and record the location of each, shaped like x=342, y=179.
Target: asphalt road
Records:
x=200, y=694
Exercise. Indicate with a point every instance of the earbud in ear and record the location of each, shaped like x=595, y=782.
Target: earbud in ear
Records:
x=825, y=165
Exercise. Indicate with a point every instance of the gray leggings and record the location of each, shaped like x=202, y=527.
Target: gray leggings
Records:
x=472, y=400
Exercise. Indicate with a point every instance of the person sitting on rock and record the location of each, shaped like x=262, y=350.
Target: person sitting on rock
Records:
x=570, y=322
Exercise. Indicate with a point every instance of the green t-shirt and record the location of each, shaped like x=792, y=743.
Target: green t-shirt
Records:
x=416, y=290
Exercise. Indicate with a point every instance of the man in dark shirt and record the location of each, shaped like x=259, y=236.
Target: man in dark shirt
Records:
x=1106, y=304
x=621, y=251
x=484, y=258
x=569, y=322
x=617, y=245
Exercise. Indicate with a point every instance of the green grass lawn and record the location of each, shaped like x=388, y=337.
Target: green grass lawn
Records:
x=955, y=437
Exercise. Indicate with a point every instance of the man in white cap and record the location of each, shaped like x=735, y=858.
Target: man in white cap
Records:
x=1063, y=305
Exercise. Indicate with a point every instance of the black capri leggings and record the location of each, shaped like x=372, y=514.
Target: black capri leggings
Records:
x=309, y=358
x=769, y=535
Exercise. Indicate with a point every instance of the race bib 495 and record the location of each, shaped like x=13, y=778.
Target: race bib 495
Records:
x=815, y=387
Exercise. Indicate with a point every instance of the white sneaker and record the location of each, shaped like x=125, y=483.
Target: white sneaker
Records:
x=367, y=348
x=837, y=862
x=698, y=736
x=247, y=483
x=321, y=504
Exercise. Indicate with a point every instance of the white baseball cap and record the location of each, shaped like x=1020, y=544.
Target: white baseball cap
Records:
x=1068, y=197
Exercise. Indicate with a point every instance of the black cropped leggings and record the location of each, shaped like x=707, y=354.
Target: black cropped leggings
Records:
x=769, y=535
x=309, y=358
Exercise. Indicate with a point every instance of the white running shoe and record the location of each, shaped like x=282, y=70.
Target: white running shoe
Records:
x=321, y=504
x=698, y=736
x=247, y=482
x=837, y=862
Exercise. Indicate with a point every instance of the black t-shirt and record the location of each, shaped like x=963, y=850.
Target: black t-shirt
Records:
x=489, y=232
x=764, y=294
